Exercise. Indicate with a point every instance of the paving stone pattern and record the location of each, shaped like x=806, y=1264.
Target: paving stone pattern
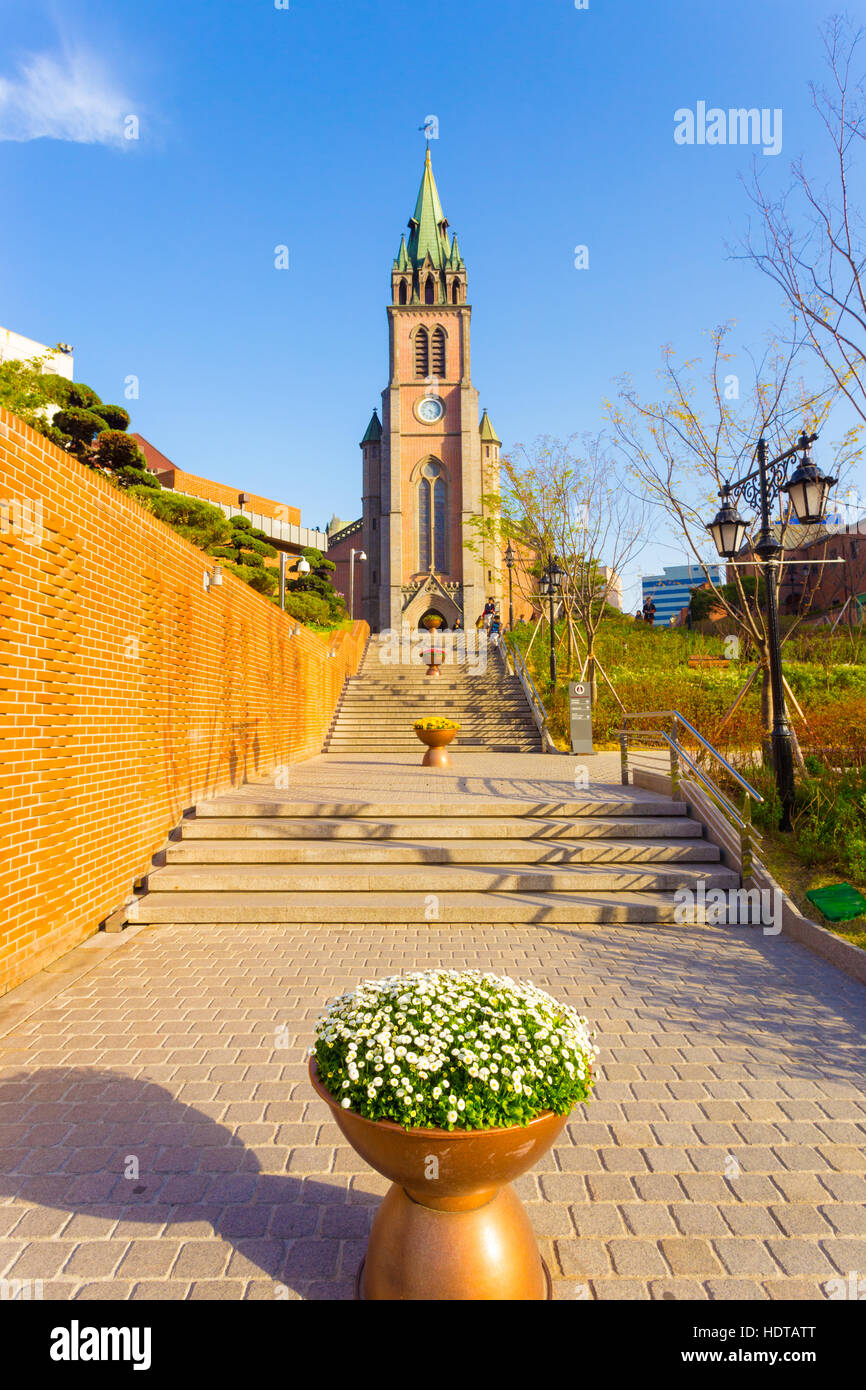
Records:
x=159, y=1137
x=723, y=1156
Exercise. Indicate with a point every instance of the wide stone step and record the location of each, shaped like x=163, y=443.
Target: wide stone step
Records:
x=605, y=807
x=416, y=711
x=355, y=718
x=395, y=746
x=395, y=740
x=475, y=909
x=435, y=878
x=448, y=828
x=488, y=852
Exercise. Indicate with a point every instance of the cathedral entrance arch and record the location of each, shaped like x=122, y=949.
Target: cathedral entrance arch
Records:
x=433, y=613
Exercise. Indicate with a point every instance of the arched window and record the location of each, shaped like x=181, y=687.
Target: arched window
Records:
x=432, y=518
x=403, y=294
x=422, y=353
x=455, y=292
x=429, y=290
x=438, y=352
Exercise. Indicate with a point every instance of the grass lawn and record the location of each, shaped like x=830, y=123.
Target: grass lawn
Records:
x=649, y=669
x=781, y=858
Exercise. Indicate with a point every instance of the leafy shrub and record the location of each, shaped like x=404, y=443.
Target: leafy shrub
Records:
x=58, y=389
x=115, y=417
x=264, y=581
x=197, y=521
x=445, y=1049
x=119, y=453
x=308, y=608
x=83, y=397
x=79, y=427
x=829, y=816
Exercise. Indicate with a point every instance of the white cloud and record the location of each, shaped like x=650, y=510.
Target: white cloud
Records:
x=66, y=97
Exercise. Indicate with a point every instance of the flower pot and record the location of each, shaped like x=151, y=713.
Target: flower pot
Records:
x=451, y=1227
x=436, y=739
x=432, y=622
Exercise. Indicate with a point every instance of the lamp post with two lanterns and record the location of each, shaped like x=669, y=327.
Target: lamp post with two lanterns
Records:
x=510, y=559
x=808, y=490
x=550, y=584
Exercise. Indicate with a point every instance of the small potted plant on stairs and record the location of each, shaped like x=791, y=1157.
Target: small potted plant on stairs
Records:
x=436, y=733
x=451, y=1084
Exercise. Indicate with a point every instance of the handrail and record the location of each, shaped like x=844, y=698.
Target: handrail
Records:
x=710, y=786
x=536, y=704
x=675, y=714
x=740, y=821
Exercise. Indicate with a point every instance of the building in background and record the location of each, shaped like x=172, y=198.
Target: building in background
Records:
x=610, y=588
x=14, y=347
x=280, y=522
x=430, y=461
x=812, y=586
x=672, y=590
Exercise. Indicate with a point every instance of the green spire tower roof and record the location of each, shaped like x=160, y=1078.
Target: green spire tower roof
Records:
x=488, y=433
x=428, y=225
x=374, y=431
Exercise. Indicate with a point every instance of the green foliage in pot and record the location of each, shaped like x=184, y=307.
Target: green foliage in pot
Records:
x=448, y=1049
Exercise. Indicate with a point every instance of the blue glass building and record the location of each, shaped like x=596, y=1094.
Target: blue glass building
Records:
x=672, y=590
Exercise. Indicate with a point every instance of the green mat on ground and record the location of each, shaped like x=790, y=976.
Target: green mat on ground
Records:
x=839, y=902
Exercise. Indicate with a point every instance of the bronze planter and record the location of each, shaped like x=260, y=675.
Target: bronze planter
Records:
x=451, y=1227
x=436, y=739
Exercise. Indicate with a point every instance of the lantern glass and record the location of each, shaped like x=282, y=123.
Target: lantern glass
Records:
x=728, y=531
x=809, y=490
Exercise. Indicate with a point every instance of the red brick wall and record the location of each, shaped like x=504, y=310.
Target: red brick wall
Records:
x=127, y=693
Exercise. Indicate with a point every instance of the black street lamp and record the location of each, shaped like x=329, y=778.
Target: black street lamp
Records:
x=551, y=579
x=808, y=490
x=510, y=558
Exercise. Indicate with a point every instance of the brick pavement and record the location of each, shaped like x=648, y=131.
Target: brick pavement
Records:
x=723, y=1157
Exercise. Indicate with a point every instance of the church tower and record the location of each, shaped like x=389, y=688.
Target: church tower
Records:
x=429, y=462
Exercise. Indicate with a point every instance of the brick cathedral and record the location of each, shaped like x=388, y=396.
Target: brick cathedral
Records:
x=429, y=461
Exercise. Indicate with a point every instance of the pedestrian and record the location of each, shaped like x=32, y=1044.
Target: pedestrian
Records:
x=489, y=610
x=495, y=629
x=638, y=617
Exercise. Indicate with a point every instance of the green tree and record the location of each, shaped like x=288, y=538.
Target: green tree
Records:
x=32, y=394
x=319, y=584
x=246, y=550
x=118, y=454
x=199, y=522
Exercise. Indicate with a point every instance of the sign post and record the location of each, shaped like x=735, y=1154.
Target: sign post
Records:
x=580, y=716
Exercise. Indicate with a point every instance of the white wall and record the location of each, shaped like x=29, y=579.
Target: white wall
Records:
x=14, y=347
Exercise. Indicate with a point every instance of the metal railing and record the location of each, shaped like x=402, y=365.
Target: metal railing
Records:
x=740, y=820
x=536, y=704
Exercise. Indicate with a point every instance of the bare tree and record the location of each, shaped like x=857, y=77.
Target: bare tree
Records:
x=701, y=433
x=570, y=499
x=811, y=240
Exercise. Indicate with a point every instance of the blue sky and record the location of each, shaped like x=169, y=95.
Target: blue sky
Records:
x=262, y=126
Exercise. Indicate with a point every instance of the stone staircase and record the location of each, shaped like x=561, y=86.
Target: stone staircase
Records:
x=252, y=857
x=381, y=703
